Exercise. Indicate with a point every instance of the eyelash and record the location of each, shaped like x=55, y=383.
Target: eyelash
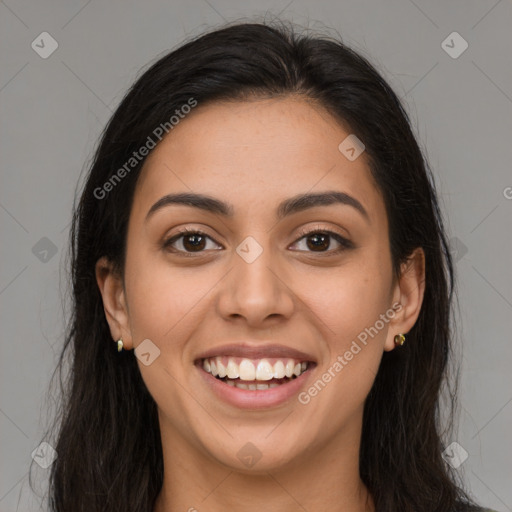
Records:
x=345, y=243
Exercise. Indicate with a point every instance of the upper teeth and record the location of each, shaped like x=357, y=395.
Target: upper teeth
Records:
x=247, y=369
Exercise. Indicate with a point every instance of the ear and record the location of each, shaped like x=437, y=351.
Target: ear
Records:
x=112, y=291
x=408, y=293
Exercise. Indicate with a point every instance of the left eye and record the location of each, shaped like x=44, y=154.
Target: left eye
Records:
x=318, y=240
x=194, y=241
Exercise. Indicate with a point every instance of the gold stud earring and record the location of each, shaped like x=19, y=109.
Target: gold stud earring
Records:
x=399, y=340
x=119, y=344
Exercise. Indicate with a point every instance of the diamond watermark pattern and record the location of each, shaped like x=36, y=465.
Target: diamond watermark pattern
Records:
x=44, y=45
x=249, y=250
x=44, y=455
x=454, y=45
x=44, y=250
x=351, y=147
x=455, y=455
x=249, y=454
x=457, y=249
x=146, y=352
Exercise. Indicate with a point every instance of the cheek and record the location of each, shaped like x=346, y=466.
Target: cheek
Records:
x=356, y=307
x=161, y=300
x=347, y=299
x=351, y=305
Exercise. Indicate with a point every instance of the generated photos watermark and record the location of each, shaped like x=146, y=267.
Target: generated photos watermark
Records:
x=354, y=349
x=137, y=156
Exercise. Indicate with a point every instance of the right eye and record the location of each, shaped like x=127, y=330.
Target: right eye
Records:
x=191, y=240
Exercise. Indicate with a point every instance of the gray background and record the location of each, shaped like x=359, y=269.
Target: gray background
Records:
x=52, y=113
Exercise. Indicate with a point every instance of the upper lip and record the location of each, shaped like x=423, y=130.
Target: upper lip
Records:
x=257, y=352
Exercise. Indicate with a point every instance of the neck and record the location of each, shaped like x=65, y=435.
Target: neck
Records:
x=326, y=475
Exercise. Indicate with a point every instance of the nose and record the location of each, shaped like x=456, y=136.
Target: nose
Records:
x=259, y=290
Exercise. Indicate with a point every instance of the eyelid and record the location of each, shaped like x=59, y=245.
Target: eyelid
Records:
x=182, y=232
x=318, y=228
x=345, y=242
x=341, y=239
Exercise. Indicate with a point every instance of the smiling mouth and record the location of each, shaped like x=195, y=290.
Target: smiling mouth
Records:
x=254, y=374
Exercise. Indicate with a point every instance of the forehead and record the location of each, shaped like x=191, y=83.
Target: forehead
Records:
x=255, y=152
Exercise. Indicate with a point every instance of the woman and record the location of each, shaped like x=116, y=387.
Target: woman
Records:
x=260, y=236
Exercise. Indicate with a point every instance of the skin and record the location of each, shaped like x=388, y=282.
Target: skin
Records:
x=253, y=155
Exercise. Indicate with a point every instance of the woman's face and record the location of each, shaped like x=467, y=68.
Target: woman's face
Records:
x=255, y=292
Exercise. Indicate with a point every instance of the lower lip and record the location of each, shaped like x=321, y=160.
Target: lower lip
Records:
x=255, y=399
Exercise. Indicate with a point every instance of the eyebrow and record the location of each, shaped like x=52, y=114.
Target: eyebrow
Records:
x=288, y=207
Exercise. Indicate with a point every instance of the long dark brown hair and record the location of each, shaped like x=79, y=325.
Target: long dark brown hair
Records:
x=106, y=430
